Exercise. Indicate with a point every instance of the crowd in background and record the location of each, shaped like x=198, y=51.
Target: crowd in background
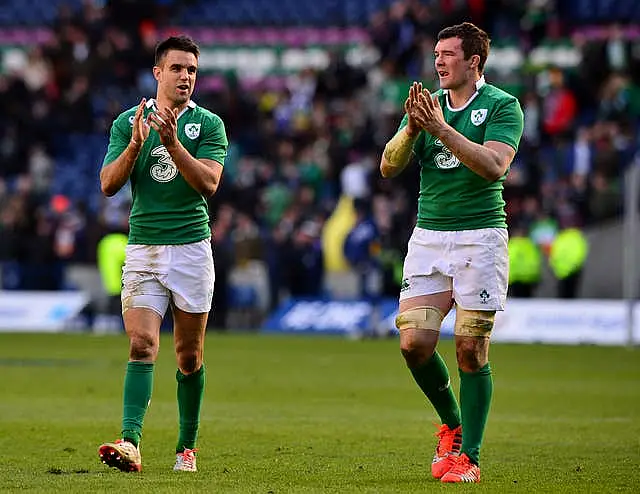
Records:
x=296, y=150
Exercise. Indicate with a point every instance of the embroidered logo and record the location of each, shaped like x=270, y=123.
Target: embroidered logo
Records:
x=192, y=130
x=404, y=286
x=165, y=170
x=445, y=159
x=478, y=116
x=484, y=296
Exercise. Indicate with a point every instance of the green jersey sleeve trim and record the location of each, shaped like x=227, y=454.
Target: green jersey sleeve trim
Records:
x=506, y=124
x=118, y=139
x=214, y=143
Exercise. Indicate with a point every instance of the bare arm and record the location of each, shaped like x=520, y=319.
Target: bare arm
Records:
x=114, y=175
x=201, y=174
x=489, y=160
x=397, y=152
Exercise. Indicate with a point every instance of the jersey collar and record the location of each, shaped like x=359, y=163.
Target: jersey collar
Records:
x=151, y=103
x=479, y=83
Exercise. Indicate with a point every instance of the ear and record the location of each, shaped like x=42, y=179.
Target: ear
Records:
x=475, y=61
x=156, y=72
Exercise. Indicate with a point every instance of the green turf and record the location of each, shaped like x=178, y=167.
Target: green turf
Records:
x=311, y=414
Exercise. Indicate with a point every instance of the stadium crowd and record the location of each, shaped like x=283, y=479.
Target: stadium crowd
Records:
x=295, y=149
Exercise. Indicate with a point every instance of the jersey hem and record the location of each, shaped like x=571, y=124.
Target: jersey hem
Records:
x=426, y=225
x=133, y=240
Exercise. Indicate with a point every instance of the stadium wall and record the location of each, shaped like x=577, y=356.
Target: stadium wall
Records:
x=601, y=322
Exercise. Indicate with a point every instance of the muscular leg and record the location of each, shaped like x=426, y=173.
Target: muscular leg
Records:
x=143, y=328
x=418, y=344
x=476, y=386
x=189, y=333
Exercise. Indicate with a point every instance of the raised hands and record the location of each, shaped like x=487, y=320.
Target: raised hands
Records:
x=140, y=127
x=423, y=110
x=165, y=123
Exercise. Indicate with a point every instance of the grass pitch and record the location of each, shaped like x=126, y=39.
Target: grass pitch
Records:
x=315, y=415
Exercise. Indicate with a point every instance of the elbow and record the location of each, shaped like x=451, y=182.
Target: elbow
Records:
x=106, y=188
x=210, y=189
x=386, y=170
x=492, y=176
x=495, y=173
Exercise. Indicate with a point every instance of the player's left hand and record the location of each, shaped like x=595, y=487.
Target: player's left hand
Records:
x=165, y=123
x=427, y=113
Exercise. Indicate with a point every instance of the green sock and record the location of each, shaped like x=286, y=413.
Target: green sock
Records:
x=190, y=393
x=476, y=389
x=433, y=379
x=138, y=384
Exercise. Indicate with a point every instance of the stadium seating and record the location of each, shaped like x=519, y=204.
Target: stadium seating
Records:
x=282, y=13
x=33, y=12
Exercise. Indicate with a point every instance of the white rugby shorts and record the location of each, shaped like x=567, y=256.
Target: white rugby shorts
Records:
x=154, y=275
x=474, y=264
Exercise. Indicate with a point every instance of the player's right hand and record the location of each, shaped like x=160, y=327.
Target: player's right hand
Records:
x=140, y=130
x=413, y=127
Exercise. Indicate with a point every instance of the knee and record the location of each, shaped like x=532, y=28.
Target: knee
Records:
x=419, y=331
x=189, y=361
x=470, y=354
x=143, y=348
x=416, y=351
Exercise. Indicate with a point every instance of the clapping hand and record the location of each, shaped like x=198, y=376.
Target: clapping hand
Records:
x=165, y=123
x=140, y=127
x=424, y=109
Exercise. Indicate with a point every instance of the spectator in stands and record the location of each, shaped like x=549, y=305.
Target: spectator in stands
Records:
x=362, y=250
x=567, y=259
x=303, y=261
x=525, y=264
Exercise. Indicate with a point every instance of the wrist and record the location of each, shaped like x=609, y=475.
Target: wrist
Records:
x=135, y=145
x=439, y=131
x=411, y=132
x=171, y=148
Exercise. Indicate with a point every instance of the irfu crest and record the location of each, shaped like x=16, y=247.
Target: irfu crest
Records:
x=192, y=130
x=478, y=116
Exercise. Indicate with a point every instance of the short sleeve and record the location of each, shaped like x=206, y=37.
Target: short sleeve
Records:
x=119, y=138
x=214, y=143
x=506, y=124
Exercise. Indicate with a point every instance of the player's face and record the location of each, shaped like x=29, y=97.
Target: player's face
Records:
x=453, y=70
x=176, y=76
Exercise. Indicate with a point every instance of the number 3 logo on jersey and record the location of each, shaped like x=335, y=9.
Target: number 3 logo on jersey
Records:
x=445, y=159
x=165, y=170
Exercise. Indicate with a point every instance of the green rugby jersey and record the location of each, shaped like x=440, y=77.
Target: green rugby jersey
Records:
x=166, y=210
x=452, y=197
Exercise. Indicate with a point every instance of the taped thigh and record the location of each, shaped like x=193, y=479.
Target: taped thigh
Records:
x=156, y=303
x=474, y=322
x=425, y=318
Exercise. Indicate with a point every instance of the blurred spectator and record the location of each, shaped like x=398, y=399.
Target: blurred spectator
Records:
x=304, y=263
x=567, y=257
x=362, y=250
x=525, y=264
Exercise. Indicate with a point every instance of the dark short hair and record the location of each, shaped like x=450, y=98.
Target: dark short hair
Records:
x=474, y=40
x=181, y=43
